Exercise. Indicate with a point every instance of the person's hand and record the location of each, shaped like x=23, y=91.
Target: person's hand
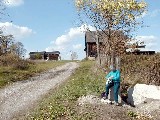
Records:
x=108, y=81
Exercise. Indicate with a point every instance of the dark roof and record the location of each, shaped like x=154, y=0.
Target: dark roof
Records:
x=142, y=52
x=137, y=46
x=37, y=52
x=54, y=52
x=90, y=36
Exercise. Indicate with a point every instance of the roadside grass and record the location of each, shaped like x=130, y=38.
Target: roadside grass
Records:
x=87, y=80
x=61, y=103
x=10, y=74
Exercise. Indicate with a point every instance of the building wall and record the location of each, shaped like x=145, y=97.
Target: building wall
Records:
x=53, y=56
x=91, y=49
x=35, y=56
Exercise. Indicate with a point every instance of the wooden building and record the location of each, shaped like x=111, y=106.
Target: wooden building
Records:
x=91, y=40
x=45, y=55
x=91, y=44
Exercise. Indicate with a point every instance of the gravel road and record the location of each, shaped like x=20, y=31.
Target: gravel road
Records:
x=21, y=96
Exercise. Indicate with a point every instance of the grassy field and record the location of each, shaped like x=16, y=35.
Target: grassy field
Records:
x=8, y=74
x=87, y=80
x=61, y=104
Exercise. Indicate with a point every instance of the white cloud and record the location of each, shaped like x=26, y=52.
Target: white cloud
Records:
x=77, y=46
x=149, y=38
x=12, y=3
x=150, y=42
x=65, y=43
x=154, y=13
x=65, y=40
x=19, y=32
x=72, y=34
x=55, y=48
x=144, y=14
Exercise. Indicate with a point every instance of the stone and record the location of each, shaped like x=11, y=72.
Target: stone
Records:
x=111, y=95
x=106, y=101
x=141, y=92
x=89, y=99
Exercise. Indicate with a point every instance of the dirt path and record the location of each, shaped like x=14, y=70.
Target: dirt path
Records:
x=21, y=96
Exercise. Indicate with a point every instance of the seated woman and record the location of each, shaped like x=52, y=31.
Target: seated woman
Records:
x=113, y=79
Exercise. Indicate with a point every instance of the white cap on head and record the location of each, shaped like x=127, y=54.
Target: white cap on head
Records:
x=112, y=67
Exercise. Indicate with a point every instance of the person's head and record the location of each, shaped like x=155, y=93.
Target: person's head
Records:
x=112, y=67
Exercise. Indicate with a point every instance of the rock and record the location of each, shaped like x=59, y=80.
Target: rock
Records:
x=111, y=95
x=141, y=92
x=107, y=101
x=89, y=99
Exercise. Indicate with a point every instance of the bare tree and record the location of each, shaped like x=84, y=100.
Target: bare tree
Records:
x=2, y=9
x=8, y=45
x=5, y=42
x=18, y=49
x=74, y=56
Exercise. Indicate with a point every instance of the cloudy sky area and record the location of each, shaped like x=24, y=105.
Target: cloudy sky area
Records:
x=54, y=25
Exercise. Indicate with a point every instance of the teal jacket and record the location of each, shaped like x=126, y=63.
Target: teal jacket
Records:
x=115, y=74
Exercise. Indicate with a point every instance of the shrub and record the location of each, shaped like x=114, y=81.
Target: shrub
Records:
x=14, y=62
x=21, y=65
x=141, y=69
x=8, y=59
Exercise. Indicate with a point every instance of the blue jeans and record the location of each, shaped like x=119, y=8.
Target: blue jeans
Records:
x=116, y=89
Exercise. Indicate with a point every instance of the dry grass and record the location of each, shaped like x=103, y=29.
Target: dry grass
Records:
x=141, y=69
x=14, y=69
x=62, y=102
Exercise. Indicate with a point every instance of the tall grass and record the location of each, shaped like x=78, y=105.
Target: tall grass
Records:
x=141, y=69
x=62, y=102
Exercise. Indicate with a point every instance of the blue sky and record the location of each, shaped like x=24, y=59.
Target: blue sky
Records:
x=48, y=25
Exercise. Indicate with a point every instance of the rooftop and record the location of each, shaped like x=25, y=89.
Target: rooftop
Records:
x=53, y=52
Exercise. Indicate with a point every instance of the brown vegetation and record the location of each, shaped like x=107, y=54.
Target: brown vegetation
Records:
x=141, y=69
x=13, y=61
x=13, y=68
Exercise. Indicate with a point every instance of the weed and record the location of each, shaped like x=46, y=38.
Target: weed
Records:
x=132, y=114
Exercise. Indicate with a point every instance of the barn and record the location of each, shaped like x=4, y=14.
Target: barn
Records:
x=55, y=55
x=91, y=40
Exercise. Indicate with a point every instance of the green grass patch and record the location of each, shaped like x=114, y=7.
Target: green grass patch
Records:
x=61, y=104
x=9, y=74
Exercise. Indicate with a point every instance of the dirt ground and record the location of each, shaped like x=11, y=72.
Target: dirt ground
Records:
x=103, y=111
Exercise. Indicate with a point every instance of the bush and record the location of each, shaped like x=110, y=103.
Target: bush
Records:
x=13, y=61
x=141, y=69
x=21, y=65
x=8, y=59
